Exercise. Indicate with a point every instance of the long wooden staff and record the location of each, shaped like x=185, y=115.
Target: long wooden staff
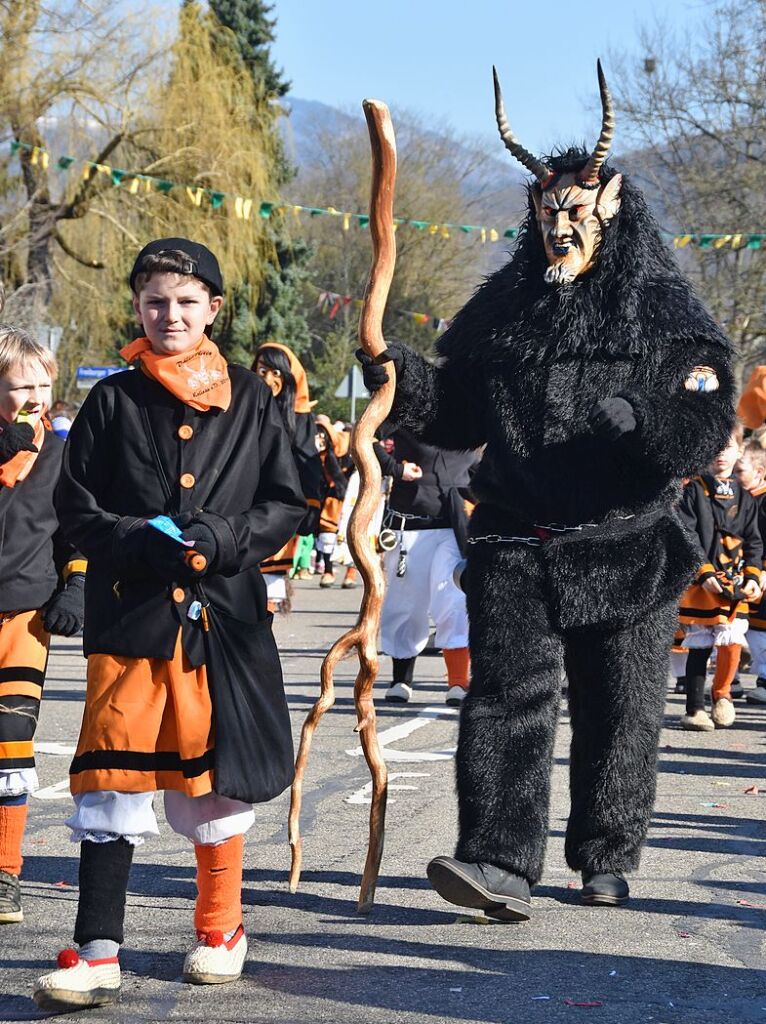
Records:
x=364, y=635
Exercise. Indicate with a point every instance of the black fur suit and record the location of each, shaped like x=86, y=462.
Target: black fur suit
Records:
x=522, y=367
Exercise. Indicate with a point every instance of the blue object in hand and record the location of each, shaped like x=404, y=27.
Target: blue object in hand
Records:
x=166, y=525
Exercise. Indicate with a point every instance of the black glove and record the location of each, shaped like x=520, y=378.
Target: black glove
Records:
x=612, y=418
x=143, y=550
x=15, y=438
x=66, y=610
x=375, y=375
x=205, y=544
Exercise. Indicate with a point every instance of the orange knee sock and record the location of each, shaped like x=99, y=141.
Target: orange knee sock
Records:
x=726, y=665
x=458, y=663
x=219, y=886
x=13, y=818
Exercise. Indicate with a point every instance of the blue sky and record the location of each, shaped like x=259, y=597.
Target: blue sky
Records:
x=436, y=56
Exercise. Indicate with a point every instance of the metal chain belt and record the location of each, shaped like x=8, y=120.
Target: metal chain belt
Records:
x=536, y=542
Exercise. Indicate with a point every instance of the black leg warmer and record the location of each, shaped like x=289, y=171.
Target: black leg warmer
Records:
x=104, y=871
x=696, y=673
x=404, y=669
x=508, y=720
x=617, y=683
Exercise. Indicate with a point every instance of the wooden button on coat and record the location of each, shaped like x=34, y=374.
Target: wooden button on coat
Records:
x=185, y=431
x=187, y=480
x=179, y=594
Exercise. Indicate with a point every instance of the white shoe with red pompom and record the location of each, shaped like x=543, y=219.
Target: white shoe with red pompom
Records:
x=78, y=983
x=215, y=960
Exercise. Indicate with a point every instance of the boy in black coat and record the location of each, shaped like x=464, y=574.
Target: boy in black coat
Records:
x=597, y=381
x=203, y=443
x=41, y=584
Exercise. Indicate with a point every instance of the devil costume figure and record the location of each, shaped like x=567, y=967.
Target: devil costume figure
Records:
x=596, y=380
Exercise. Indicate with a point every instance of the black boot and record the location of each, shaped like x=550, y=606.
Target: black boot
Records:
x=482, y=886
x=400, y=690
x=604, y=889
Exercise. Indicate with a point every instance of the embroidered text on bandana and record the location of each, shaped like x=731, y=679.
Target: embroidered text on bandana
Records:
x=19, y=467
x=198, y=377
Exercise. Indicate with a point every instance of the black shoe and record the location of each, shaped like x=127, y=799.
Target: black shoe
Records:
x=10, y=899
x=604, y=889
x=737, y=690
x=681, y=684
x=481, y=886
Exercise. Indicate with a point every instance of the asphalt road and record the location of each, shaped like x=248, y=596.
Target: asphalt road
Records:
x=688, y=948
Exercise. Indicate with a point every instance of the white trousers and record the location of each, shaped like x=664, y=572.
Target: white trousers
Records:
x=756, y=641
x=103, y=815
x=720, y=635
x=427, y=588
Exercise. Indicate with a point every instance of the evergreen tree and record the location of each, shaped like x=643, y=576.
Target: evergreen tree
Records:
x=245, y=36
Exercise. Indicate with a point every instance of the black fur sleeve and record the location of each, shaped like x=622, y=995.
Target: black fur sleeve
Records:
x=680, y=431
x=439, y=405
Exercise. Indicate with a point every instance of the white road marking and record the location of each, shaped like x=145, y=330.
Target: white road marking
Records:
x=406, y=728
x=59, y=791
x=364, y=795
x=58, y=749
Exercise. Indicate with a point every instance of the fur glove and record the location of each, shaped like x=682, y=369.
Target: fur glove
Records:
x=15, y=438
x=66, y=610
x=613, y=418
x=374, y=374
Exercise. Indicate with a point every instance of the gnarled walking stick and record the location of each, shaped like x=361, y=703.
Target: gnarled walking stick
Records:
x=364, y=635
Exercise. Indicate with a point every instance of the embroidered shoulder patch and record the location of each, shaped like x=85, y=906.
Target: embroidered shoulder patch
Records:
x=702, y=378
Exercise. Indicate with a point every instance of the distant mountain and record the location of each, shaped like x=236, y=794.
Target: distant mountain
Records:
x=498, y=178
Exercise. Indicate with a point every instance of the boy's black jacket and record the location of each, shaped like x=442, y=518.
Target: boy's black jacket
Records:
x=244, y=475
x=32, y=549
x=698, y=510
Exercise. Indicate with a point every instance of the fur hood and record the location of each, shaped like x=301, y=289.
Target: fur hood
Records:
x=634, y=301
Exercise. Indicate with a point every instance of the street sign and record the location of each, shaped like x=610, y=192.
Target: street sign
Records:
x=87, y=376
x=352, y=386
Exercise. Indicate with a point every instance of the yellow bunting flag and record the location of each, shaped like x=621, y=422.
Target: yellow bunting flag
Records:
x=134, y=186
x=681, y=241
x=493, y=235
x=243, y=207
x=104, y=169
x=346, y=221
x=443, y=231
x=737, y=241
x=195, y=194
x=297, y=212
x=483, y=235
x=719, y=243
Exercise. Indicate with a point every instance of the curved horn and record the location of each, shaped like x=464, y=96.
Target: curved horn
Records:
x=540, y=170
x=590, y=171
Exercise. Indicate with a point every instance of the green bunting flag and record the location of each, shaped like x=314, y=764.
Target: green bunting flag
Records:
x=243, y=206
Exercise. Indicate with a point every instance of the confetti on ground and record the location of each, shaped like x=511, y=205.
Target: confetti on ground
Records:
x=718, y=782
x=588, y=1003
x=456, y=989
x=62, y=885
x=754, y=906
x=752, y=791
x=708, y=804
x=573, y=885
x=541, y=997
x=613, y=974
x=684, y=935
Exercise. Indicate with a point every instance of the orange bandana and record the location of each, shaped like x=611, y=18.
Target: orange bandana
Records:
x=19, y=467
x=198, y=377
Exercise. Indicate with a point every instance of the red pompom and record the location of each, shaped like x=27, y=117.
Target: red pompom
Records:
x=68, y=958
x=214, y=939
